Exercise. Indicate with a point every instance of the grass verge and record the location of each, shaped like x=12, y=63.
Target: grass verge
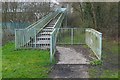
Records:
x=25, y=63
x=0, y=61
x=110, y=58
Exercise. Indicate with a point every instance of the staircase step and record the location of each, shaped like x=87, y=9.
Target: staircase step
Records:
x=49, y=27
x=47, y=30
x=43, y=39
x=45, y=33
x=50, y=24
x=43, y=36
x=42, y=42
x=53, y=23
x=44, y=47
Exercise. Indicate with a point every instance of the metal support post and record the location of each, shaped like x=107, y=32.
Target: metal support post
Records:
x=35, y=37
x=51, y=47
x=72, y=36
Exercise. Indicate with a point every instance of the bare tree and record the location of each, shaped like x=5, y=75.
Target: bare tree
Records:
x=94, y=16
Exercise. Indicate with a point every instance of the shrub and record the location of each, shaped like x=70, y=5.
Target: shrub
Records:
x=96, y=62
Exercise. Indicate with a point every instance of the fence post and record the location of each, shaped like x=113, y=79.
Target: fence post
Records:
x=35, y=37
x=15, y=39
x=86, y=36
x=55, y=35
x=19, y=38
x=58, y=32
x=100, y=45
x=23, y=37
x=60, y=35
x=51, y=47
x=71, y=35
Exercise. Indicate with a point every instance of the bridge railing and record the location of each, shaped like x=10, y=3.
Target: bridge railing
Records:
x=53, y=40
x=66, y=36
x=22, y=36
x=54, y=34
x=71, y=36
x=59, y=21
x=94, y=41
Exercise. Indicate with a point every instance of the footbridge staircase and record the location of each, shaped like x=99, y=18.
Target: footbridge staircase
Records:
x=47, y=32
x=38, y=34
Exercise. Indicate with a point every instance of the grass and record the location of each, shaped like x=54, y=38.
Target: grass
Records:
x=0, y=62
x=107, y=70
x=25, y=63
x=111, y=46
x=105, y=74
x=109, y=74
x=92, y=73
x=96, y=62
x=85, y=46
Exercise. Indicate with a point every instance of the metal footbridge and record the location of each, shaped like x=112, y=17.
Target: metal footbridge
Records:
x=38, y=34
x=47, y=32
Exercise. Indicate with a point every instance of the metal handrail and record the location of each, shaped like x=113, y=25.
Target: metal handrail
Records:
x=26, y=34
x=94, y=41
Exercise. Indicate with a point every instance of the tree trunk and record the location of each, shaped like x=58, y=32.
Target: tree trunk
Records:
x=94, y=17
x=81, y=11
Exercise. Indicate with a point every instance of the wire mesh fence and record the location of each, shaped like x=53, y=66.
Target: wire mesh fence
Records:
x=13, y=25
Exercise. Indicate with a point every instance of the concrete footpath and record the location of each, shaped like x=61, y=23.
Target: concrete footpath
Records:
x=72, y=62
